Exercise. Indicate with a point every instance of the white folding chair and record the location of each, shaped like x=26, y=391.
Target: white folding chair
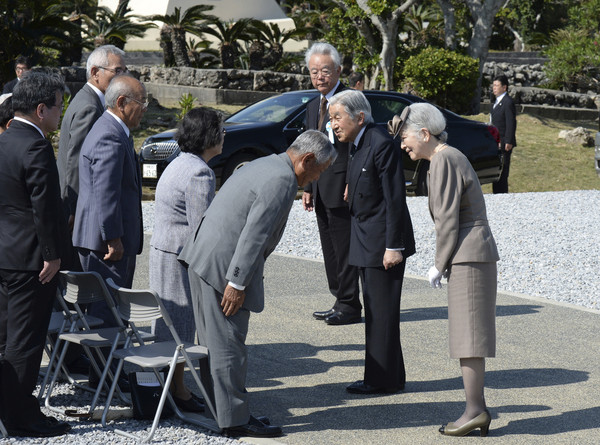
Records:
x=84, y=288
x=137, y=306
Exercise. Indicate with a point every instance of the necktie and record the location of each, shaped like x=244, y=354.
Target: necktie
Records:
x=353, y=150
x=322, y=112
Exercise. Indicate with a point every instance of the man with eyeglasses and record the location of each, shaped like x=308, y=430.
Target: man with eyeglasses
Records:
x=108, y=221
x=326, y=196
x=33, y=247
x=22, y=65
x=103, y=64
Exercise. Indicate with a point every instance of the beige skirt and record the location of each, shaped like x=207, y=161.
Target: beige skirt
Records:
x=472, y=310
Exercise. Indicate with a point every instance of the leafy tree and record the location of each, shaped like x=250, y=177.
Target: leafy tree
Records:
x=173, y=32
x=229, y=35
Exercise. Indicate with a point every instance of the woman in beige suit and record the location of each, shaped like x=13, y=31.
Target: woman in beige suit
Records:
x=465, y=253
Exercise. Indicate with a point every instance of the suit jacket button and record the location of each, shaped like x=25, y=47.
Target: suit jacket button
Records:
x=360, y=195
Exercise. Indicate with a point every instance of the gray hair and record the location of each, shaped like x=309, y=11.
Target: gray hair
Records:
x=313, y=141
x=354, y=102
x=324, y=49
x=99, y=57
x=117, y=87
x=424, y=115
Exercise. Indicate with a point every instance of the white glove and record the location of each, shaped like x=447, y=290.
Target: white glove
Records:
x=435, y=277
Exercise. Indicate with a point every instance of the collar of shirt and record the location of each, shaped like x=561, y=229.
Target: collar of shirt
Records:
x=119, y=121
x=20, y=119
x=329, y=95
x=358, y=136
x=99, y=93
x=499, y=98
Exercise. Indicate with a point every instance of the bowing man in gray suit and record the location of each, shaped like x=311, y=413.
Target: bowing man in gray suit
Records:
x=108, y=221
x=226, y=258
x=104, y=63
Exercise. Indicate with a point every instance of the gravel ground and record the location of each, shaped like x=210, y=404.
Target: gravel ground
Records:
x=547, y=244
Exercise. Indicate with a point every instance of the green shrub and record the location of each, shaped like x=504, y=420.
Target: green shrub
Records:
x=444, y=77
x=186, y=103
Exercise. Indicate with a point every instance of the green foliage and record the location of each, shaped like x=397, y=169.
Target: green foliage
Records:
x=186, y=103
x=443, y=77
x=573, y=55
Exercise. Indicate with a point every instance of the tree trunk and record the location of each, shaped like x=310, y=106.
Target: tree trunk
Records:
x=483, y=17
x=227, y=52
x=166, y=45
x=179, y=47
x=449, y=23
x=256, y=54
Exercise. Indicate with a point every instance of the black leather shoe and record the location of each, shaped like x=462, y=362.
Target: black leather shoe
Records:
x=192, y=405
x=44, y=427
x=360, y=387
x=340, y=318
x=254, y=428
x=322, y=315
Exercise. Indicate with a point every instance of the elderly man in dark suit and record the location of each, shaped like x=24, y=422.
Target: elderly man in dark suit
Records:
x=104, y=63
x=108, y=222
x=381, y=237
x=503, y=117
x=226, y=259
x=326, y=196
x=31, y=239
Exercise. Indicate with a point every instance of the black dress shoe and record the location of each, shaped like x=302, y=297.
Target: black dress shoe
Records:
x=192, y=405
x=44, y=427
x=360, y=387
x=254, y=428
x=340, y=318
x=322, y=315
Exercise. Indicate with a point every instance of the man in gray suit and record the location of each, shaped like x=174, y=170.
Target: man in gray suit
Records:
x=108, y=221
x=226, y=258
x=104, y=63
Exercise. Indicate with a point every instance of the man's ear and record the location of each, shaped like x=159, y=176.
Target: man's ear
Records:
x=308, y=159
x=361, y=118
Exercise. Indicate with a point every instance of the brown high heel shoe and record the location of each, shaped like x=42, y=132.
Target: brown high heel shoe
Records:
x=482, y=421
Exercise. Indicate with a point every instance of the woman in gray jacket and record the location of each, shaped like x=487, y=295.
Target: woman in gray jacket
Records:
x=184, y=192
x=465, y=253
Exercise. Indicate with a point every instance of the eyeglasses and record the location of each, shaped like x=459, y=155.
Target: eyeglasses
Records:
x=143, y=104
x=117, y=70
x=324, y=72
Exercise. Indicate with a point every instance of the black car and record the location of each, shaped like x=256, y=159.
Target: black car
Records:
x=271, y=125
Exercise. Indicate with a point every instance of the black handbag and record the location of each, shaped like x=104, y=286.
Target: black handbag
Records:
x=145, y=395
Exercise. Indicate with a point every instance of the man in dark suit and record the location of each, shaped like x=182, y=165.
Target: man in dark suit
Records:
x=326, y=196
x=381, y=236
x=22, y=65
x=503, y=117
x=104, y=63
x=31, y=239
x=226, y=258
x=108, y=221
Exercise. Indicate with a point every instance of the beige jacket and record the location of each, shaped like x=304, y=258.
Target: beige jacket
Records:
x=457, y=207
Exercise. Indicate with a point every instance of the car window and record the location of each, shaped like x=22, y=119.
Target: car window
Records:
x=298, y=123
x=273, y=109
x=383, y=109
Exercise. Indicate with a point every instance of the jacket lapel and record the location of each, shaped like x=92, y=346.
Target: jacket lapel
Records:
x=358, y=161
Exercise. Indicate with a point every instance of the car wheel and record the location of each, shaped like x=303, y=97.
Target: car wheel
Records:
x=237, y=161
x=423, y=179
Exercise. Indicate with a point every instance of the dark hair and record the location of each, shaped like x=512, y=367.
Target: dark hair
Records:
x=502, y=79
x=6, y=112
x=200, y=128
x=36, y=87
x=355, y=77
x=23, y=60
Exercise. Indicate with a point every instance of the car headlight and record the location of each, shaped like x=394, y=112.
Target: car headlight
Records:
x=158, y=151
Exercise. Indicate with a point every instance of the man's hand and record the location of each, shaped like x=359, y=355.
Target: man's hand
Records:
x=49, y=270
x=307, y=201
x=346, y=193
x=508, y=147
x=232, y=301
x=115, y=250
x=392, y=258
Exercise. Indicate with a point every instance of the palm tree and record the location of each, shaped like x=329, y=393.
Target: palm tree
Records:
x=273, y=37
x=202, y=55
x=229, y=34
x=74, y=10
x=175, y=27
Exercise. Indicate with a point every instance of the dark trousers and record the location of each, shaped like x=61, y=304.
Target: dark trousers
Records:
x=25, y=308
x=502, y=185
x=342, y=278
x=384, y=363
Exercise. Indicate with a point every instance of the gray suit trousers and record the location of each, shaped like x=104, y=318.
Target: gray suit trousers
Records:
x=225, y=338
